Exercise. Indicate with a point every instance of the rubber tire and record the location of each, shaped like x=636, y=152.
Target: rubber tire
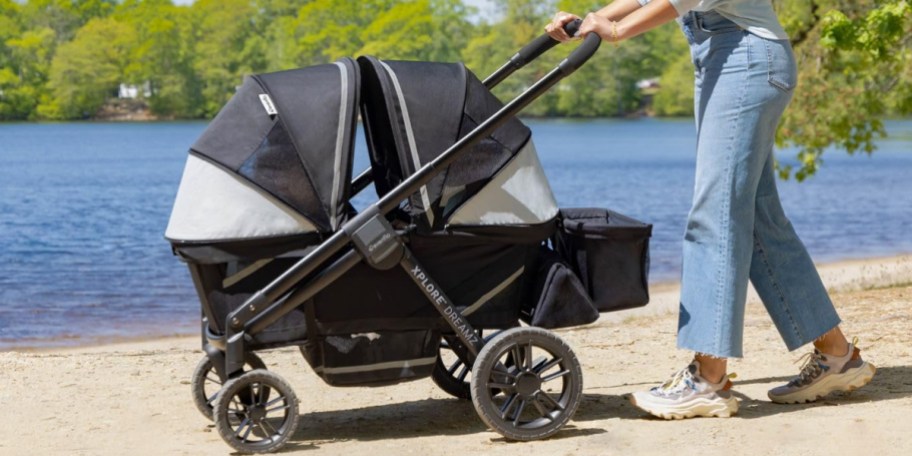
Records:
x=233, y=387
x=571, y=393
x=201, y=372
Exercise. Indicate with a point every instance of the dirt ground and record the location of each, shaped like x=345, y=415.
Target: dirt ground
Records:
x=134, y=398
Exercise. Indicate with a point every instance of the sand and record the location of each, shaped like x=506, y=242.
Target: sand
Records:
x=134, y=398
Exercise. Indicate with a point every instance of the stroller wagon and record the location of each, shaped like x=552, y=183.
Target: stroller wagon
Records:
x=454, y=245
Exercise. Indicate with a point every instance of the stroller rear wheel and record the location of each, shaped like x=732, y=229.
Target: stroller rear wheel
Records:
x=256, y=412
x=526, y=383
x=450, y=373
x=206, y=384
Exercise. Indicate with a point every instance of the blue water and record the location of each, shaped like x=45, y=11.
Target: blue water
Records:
x=83, y=208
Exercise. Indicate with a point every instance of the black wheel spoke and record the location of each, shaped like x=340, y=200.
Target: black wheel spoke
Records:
x=542, y=410
x=244, y=424
x=548, y=365
x=263, y=395
x=454, y=366
x=463, y=374
x=517, y=356
x=215, y=380
x=274, y=401
x=519, y=410
x=555, y=375
x=527, y=353
x=499, y=386
x=267, y=426
x=508, y=404
x=548, y=398
x=276, y=409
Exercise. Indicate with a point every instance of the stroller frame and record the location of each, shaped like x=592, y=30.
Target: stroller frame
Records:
x=369, y=237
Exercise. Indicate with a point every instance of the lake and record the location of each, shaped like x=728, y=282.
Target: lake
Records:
x=83, y=209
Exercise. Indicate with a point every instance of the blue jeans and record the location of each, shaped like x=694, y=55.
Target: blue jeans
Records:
x=736, y=229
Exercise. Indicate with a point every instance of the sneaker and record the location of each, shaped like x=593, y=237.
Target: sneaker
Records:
x=686, y=395
x=823, y=374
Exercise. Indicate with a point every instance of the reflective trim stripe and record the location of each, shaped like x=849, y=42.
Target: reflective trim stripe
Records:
x=487, y=296
x=340, y=139
x=413, y=149
x=374, y=367
x=244, y=273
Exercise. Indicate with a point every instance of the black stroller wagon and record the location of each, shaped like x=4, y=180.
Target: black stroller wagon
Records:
x=402, y=290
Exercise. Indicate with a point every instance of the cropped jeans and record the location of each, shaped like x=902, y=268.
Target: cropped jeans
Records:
x=736, y=229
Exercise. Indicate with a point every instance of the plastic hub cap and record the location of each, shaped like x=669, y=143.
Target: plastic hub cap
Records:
x=527, y=384
x=256, y=413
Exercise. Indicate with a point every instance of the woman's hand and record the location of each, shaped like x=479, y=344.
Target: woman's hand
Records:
x=556, y=28
x=605, y=28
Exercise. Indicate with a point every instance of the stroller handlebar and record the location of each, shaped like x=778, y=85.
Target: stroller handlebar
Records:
x=543, y=44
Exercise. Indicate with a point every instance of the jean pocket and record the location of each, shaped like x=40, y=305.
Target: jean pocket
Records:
x=783, y=71
x=715, y=24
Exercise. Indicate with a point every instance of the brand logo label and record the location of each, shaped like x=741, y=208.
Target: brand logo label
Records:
x=456, y=320
x=267, y=104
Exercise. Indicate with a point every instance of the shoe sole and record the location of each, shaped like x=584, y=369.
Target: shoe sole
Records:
x=861, y=377
x=700, y=407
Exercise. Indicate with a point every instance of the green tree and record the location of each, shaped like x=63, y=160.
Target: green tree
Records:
x=220, y=45
x=851, y=55
x=30, y=55
x=64, y=17
x=675, y=97
x=161, y=59
x=88, y=70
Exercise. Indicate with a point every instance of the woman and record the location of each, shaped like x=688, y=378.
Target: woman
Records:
x=736, y=230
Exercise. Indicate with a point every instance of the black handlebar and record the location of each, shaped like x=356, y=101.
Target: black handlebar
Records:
x=543, y=44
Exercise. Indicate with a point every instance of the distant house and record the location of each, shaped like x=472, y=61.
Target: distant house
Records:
x=131, y=91
x=646, y=84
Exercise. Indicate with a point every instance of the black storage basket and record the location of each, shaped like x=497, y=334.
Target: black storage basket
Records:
x=373, y=359
x=610, y=253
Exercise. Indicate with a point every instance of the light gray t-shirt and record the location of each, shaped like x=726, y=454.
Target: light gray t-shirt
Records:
x=755, y=16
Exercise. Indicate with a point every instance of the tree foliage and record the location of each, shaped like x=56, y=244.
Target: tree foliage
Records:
x=66, y=58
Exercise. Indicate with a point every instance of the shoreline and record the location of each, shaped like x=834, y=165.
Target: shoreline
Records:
x=838, y=276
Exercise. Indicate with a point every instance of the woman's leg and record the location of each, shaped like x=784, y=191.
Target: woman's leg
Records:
x=739, y=111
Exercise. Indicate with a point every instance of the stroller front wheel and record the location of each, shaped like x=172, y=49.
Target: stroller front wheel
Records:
x=205, y=383
x=526, y=383
x=256, y=412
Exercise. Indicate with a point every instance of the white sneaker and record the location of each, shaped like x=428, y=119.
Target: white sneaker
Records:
x=686, y=395
x=824, y=374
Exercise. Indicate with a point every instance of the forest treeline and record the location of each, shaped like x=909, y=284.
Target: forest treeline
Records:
x=65, y=59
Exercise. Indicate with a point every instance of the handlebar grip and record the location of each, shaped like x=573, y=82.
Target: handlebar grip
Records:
x=580, y=55
x=573, y=26
x=542, y=44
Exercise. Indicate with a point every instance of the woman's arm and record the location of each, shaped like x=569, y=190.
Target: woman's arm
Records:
x=620, y=20
x=614, y=11
x=654, y=14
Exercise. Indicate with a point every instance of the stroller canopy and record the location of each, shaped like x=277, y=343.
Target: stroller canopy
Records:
x=275, y=163
x=414, y=111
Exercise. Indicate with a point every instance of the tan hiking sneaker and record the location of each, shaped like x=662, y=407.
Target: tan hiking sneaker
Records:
x=823, y=374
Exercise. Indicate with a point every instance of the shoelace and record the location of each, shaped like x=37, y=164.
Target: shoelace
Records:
x=811, y=368
x=677, y=383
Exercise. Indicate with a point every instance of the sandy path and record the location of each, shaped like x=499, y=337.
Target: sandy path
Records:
x=133, y=398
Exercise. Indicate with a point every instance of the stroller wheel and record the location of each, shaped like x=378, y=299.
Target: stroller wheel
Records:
x=527, y=383
x=205, y=383
x=256, y=412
